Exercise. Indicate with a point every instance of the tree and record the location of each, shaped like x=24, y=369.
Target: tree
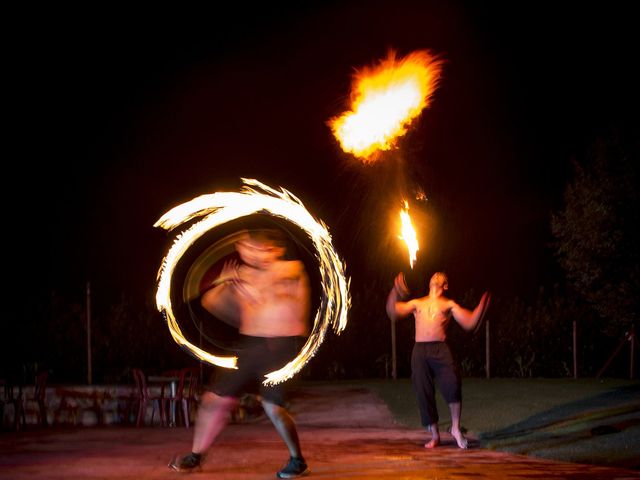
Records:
x=596, y=239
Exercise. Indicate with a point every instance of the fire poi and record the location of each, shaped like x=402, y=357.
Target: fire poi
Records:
x=221, y=207
x=408, y=234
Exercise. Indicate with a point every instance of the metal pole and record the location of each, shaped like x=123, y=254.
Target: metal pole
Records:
x=633, y=343
x=575, y=350
x=201, y=363
x=487, y=349
x=89, y=372
x=394, y=372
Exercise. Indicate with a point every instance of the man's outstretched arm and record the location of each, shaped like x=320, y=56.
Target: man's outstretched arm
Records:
x=468, y=319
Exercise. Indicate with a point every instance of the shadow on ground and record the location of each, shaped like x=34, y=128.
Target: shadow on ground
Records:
x=575, y=431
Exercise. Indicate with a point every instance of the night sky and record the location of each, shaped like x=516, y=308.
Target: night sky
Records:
x=121, y=114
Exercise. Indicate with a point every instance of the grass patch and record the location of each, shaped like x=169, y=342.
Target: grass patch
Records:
x=583, y=420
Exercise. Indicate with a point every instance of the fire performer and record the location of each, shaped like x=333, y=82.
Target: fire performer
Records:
x=431, y=359
x=272, y=299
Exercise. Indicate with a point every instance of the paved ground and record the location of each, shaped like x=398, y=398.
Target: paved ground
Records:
x=346, y=433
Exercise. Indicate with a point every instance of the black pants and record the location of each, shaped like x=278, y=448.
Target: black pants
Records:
x=431, y=363
x=257, y=357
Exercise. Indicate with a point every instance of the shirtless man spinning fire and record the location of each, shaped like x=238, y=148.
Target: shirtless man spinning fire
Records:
x=431, y=359
x=268, y=299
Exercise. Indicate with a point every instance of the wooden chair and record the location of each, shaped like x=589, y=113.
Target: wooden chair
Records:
x=144, y=398
x=192, y=397
x=38, y=398
x=24, y=404
x=186, y=395
x=13, y=397
x=73, y=404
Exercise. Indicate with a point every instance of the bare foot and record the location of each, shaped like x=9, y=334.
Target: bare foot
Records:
x=460, y=440
x=433, y=443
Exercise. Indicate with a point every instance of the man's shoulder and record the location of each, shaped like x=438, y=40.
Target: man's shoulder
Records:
x=422, y=300
x=441, y=301
x=451, y=303
x=289, y=266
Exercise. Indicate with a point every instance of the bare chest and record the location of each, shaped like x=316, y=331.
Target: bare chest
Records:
x=432, y=314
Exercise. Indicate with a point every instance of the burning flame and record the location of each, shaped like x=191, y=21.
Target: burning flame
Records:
x=385, y=100
x=408, y=234
x=221, y=207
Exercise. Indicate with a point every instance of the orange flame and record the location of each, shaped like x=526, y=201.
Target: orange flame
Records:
x=408, y=234
x=385, y=100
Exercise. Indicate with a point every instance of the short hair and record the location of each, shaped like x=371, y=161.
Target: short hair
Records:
x=440, y=279
x=271, y=236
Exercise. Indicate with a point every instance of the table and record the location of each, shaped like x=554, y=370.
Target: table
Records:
x=173, y=388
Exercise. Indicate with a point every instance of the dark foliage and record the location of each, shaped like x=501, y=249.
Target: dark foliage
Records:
x=597, y=240
x=528, y=338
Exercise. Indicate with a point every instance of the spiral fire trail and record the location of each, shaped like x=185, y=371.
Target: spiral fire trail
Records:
x=255, y=197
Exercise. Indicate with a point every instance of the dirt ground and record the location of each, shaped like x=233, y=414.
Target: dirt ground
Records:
x=346, y=433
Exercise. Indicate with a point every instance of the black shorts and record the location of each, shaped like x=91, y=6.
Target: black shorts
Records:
x=257, y=357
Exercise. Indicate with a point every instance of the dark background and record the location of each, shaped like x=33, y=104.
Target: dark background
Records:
x=118, y=114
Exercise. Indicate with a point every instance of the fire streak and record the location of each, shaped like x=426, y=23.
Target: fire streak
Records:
x=385, y=100
x=221, y=207
x=409, y=234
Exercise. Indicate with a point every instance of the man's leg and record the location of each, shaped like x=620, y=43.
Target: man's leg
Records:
x=448, y=377
x=212, y=417
x=286, y=427
x=435, y=436
x=424, y=387
x=455, y=409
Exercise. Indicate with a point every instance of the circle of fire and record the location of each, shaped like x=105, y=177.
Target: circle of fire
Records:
x=255, y=197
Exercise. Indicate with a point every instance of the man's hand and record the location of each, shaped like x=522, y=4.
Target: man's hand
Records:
x=395, y=307
x=228, y=274
x=481, y=309
x=401, y=285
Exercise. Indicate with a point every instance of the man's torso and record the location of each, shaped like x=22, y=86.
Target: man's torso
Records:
x=277, y=303
x=432, y=316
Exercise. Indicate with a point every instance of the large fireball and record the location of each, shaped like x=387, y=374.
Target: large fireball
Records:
x=385, y=99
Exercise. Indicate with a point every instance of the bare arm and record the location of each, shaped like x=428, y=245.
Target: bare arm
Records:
x=468, y=319
x=396, y=308
x=220, y=300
